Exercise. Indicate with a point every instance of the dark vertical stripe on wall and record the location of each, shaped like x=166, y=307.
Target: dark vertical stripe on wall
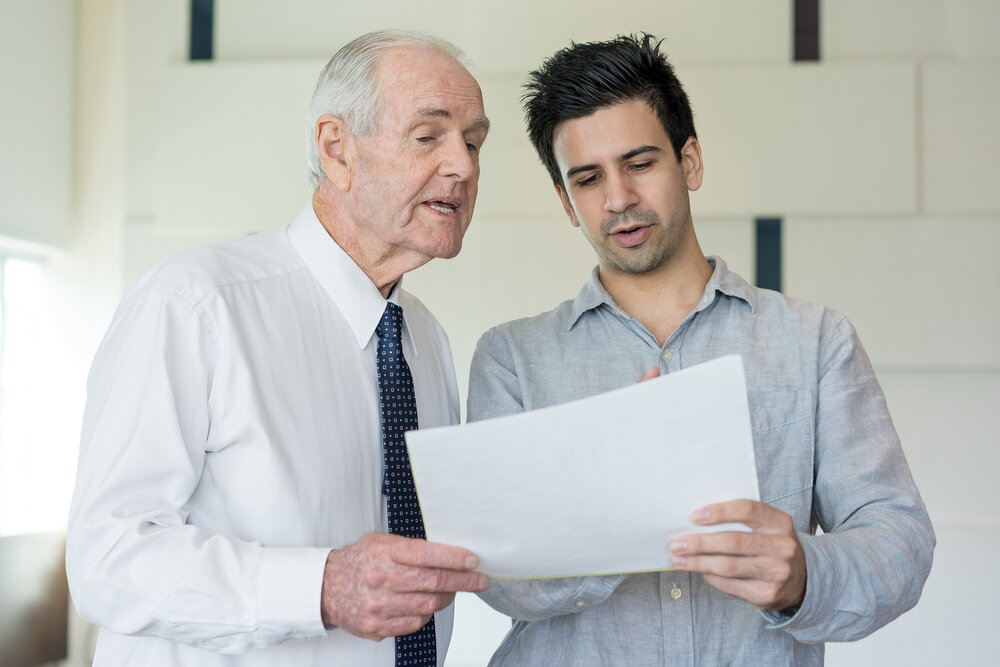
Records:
x=769, y=253
x=806, y=30
x=202, y=29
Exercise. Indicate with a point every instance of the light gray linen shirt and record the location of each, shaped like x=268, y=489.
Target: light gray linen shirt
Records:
x=825, y=448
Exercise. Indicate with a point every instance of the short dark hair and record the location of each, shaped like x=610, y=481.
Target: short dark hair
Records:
x=583, y=78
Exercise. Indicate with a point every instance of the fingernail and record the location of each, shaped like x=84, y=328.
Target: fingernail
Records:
x=699, y=516
x=678, y=561
x=678, y=546
x=471, y=562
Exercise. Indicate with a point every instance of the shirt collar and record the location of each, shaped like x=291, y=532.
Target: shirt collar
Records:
x=353, y=292
x=593, y=294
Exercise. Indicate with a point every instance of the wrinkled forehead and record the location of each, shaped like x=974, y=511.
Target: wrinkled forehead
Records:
x=420, y=79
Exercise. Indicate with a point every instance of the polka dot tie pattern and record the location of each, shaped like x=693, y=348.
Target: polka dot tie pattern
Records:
x=398, y=406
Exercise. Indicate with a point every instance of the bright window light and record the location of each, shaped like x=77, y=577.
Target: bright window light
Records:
x=40, y=405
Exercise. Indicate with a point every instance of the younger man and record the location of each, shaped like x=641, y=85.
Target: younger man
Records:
x=614, y=128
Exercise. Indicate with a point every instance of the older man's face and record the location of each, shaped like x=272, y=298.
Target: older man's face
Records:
x=417, y=176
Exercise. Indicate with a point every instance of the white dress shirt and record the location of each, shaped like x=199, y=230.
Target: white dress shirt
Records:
x=231, y=439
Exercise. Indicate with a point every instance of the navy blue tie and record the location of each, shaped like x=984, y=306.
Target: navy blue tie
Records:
x=398, y=406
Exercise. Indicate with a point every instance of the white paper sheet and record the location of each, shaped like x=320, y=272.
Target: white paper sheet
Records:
x=578, y=489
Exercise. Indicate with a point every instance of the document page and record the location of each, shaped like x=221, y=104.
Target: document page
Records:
x=576, y=489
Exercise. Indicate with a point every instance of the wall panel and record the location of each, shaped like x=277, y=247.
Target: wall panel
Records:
x=156, y=37
x=945, y=421
x=858, y=30
x=254, y=29
x=519, y=38
x=922, y=293
x=961, y=143
x=513, y=182
x=975, y=28
x=230, y=146
x=805, y=139
x=37, y=47
x=730, y=238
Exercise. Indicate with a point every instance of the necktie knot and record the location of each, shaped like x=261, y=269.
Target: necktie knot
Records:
x=390, y=327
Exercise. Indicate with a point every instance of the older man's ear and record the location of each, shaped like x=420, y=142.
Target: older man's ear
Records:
x=336, y=151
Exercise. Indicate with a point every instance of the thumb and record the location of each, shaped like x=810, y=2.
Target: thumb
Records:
x=654, y=371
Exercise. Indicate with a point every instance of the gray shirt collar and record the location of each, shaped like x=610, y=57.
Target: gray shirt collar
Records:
x=593, y=294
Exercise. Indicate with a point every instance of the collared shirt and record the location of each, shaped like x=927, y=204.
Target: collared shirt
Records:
x=825, y=447
x=231, y=439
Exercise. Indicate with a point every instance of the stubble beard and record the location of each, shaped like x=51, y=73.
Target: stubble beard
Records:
x=649, y=255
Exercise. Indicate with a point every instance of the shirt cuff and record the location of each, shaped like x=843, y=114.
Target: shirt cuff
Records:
x=595, y=590
x=794, y=616
x=289, y=590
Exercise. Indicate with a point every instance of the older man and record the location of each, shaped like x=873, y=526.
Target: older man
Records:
x=242, y=457
x=613, y=126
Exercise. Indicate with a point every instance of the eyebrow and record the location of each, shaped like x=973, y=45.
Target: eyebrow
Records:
x=479, y=122
x=621, y=158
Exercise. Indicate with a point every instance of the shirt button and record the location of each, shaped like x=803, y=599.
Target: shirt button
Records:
x=666, y=356
x=581, y=603
x=298, y=635
x=676, y=593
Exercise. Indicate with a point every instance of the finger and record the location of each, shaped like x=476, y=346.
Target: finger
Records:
x=750, y=512
x=760, y=594
x=408, y=604
x=729, y=543
x=421, y=553
x=433, y=580
x=420, y=604
x=733, y=567
x=654, y=371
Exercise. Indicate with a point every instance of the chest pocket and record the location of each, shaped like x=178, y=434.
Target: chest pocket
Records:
x=784, y=433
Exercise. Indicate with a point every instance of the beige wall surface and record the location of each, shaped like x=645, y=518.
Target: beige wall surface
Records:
x=883, y=159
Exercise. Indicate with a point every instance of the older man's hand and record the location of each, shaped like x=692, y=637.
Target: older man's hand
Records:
x=387, y=585
x=765, y=567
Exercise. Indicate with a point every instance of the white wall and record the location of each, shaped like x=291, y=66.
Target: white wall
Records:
x=37, y=46
x=883, y=159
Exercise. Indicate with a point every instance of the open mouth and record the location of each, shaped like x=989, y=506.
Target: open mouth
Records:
x=444, y=206
x=631, y=236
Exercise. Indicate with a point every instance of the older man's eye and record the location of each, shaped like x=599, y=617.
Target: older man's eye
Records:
x=425, y=140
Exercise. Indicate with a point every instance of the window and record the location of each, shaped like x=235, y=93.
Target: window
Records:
x=40, y=404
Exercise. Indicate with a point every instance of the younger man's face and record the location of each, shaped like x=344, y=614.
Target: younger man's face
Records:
x=624, y=186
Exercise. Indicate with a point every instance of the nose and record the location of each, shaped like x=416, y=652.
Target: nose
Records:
x=458, y=160
x=618, y=193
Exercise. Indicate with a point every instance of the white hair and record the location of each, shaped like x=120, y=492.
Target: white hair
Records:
x=348, y=87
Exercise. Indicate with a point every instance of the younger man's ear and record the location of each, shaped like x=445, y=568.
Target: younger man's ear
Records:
x=691, y=163
x=336, y=151
x=567, y=205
